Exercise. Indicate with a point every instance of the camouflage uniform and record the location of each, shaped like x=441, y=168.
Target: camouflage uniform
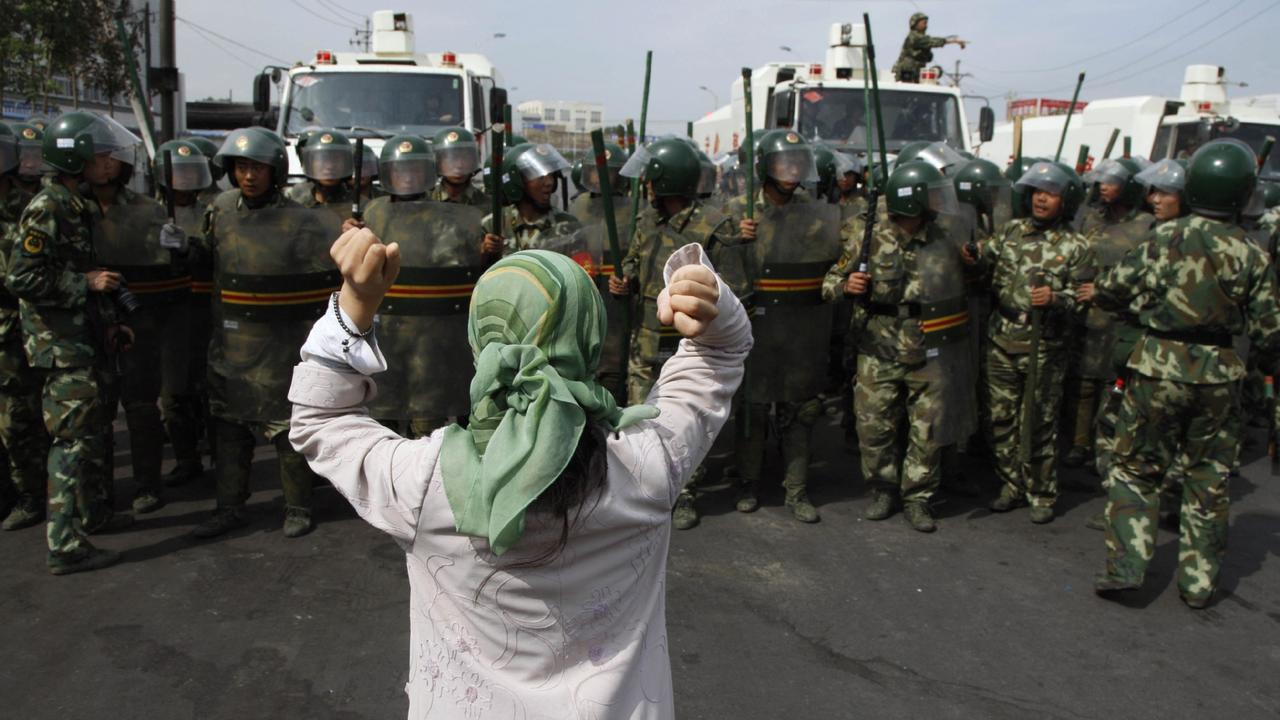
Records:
x=1202, y=283
x=917, y=52
x=895, y=387
x=126, y=239
x=185, y=405
x=1090, y=371
x=793, y=398
x=1011, y=259
x=24, y=442
x=525, y=235
x=232, y=386
x=589, y=209
x=652, y=343
x=471, y=195
x=61, y=326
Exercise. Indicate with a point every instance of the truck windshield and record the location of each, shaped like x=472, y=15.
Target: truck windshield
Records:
x=1191, y=135
x=838, y=117
x=390, y=103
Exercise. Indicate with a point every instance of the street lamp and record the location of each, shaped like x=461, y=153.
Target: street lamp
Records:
x=715, y=99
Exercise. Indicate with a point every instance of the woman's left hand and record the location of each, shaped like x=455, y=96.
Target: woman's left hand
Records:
x=368, y=270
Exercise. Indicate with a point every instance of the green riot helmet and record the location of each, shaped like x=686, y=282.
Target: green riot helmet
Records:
x=1168, y=175
x=257, y=144
x=75, y=137
x=1221, y=179
x=407, y=166
x=1271, y=195
x=614, y=158
x=527, y=161
x=1055, y=178
x=981, y=184
x=457, y=153
x=671, y=165
x=1117, y=171
x=940, y=155
x=30, y=150
x=911, y=150
x=208, y=149
x=575, y=176
x=326, y=154
x=917, y=189
x=190, y=166
x=1017, y=168
x=707, y=170
x=825, y=158
x=784, y=156
x=8, y=150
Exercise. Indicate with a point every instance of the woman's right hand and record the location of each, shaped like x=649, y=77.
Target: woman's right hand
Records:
x=368, y=270
x=102, y=280
x=689, y=302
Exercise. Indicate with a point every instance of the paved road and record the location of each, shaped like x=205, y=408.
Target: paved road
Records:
x=991, y=617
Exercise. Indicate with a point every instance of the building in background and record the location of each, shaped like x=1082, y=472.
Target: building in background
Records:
x=566, y=124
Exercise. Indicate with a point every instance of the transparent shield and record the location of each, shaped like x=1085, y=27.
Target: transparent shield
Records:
x=458, y=160
x=943, y=157
x=190, y=172
x=1001, y=206
x=407, y=176
x=942, y=199
x=635, y=165
x=591, y=178
x=945, y=324
x=541, y=161
x=327, y=161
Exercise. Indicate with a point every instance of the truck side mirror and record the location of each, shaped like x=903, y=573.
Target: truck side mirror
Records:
x=262, y=93
x=783, y=102
x=497, y=101
x=986, y=124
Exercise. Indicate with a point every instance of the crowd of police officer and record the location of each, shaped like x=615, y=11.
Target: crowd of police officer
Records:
x=945, y=305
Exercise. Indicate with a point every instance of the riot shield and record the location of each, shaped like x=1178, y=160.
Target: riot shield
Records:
x=1110, y=244
x=583, y=245
x=795, y=246
x=422, y=324
x=950, y=358
x=127, y=239
x=274, y=279
x=593, y=227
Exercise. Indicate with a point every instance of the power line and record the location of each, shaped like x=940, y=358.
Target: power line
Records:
x=230, y=53
x=232, y=41
x=1076, y=63
x=315, y=14
x=336, y=7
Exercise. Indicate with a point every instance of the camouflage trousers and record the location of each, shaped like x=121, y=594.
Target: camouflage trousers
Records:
x=186, y=409
x=233, y=460
x=79, y=486
x=650, y=349
x=1006, y=379
x=896, y=409
x=24, y=442
x=793, y=426
x=1161, y=421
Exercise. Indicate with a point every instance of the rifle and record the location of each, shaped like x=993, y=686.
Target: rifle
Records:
x=1070, y=111
x=356, y=213
x=1030, y=393
x=611, y=229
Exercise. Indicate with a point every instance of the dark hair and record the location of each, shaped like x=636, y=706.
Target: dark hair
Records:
x=566, y=500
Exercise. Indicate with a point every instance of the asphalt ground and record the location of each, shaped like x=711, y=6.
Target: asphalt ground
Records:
x=990, y=617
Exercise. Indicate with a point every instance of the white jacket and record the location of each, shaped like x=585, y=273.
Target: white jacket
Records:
x=583, y=636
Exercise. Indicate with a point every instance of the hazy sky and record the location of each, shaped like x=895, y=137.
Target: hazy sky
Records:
x=593, y=50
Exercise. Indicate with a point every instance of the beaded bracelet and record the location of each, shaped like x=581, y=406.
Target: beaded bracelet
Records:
x=337, y=313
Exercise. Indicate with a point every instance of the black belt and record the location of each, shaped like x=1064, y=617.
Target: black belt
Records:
x=1018, y=317
x=1193, y=337
x=900, y=311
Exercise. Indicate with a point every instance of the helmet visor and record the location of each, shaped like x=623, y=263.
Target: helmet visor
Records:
x=1257, y=205
x=190, y=172
x=407, y=175
x=327, y=161
x=540, y=161
x=109, y=136
x=635, y=165
x=30, y=161
x=369, y=165
x=459, y=159
x=591, y=178
x=706, y=178
x=1043, y=176
x=1108, y=172
x=1167, y=176
x=792, y=166
x=942, y=198
x=846, y=164
x=943, y=157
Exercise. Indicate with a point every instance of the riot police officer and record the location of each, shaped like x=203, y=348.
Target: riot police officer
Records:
x=530, y=176
x=457, y=160
x=328, y=161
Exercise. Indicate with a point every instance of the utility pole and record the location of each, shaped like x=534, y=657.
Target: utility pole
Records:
x=169, y=62
x=957, y=76
x=362, y=38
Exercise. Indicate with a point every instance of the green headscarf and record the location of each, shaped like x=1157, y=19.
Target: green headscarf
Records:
x=536, y=326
